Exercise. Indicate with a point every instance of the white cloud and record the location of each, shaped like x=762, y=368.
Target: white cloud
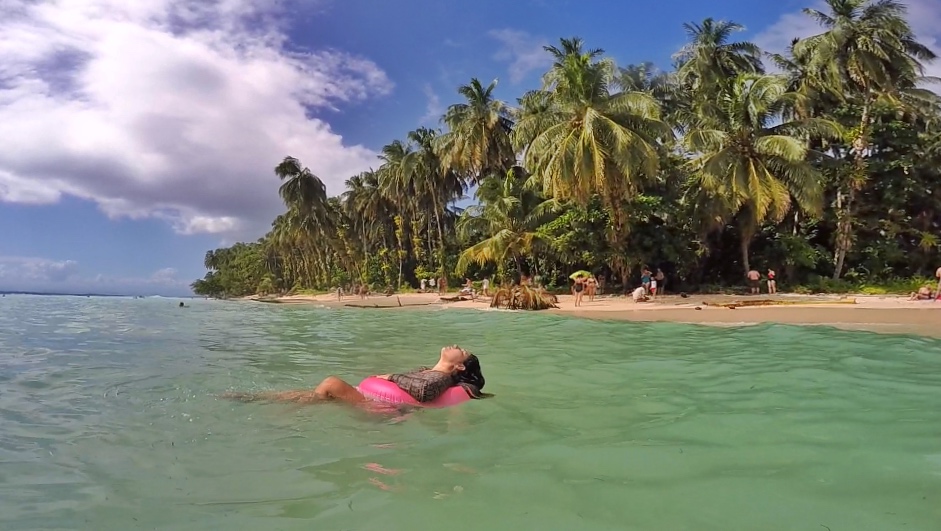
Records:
x=523, y=51
x=433, y=108
x=65, y=276
x=923, y=15
x=14, y=268
x=169, y=108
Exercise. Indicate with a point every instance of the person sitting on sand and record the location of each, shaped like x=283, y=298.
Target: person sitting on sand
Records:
x=455, y=366
x=639, y=295
x=923, y=294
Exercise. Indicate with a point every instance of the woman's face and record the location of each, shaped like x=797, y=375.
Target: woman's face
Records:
x=456, y=356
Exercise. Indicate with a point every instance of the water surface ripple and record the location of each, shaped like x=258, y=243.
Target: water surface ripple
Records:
x=109, y=421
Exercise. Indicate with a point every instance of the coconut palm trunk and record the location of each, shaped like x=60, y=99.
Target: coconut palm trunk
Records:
x=845, y=203
x=440, y=241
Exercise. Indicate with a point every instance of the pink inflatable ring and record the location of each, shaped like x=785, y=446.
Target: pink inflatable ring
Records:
x=385, y=391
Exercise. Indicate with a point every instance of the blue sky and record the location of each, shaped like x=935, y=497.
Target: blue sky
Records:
x=134, y=136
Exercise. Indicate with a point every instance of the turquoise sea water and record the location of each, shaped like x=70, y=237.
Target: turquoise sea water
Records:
x=108, y=421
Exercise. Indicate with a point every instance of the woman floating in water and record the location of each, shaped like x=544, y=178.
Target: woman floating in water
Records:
x=455, y=367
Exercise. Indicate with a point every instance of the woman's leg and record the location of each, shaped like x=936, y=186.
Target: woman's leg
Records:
x=332, y=388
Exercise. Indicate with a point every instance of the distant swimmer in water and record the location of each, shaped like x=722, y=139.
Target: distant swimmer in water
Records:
x=455, y=367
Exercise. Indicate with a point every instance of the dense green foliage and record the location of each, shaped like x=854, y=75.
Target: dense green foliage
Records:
x=828, y=171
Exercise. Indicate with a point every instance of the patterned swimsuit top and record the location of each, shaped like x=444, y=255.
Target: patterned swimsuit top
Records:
x=423, y=384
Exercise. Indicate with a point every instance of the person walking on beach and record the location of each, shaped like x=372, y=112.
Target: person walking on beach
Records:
x=754, y=282
x=485, y=286
x=772, y=284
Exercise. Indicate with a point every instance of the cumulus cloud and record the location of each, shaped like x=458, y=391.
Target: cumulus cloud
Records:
x=169, y=108
x=923, y=15
x=64, y=276
x=36, y=269
x=523, y=51
x=433, y=107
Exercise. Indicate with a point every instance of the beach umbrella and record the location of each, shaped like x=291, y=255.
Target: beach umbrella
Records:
x=578, y=274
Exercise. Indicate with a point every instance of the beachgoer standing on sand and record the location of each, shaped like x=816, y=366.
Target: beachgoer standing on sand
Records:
x=645, y=279
x=424, y=284
x=590, y=286
x=601, y=280
x=578, y=288
x=442, y=285
x=431, y=283
x=754, y=282
x=772, y=284
x=485, y=286
x=937, y=292
x=661, y=281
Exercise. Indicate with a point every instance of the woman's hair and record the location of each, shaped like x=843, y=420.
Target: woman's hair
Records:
x=471, y=378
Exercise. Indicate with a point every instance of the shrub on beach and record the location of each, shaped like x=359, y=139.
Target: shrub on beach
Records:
x=523, y=298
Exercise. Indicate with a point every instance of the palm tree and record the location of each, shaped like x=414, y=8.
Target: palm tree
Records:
x=434, y=184
x=311, y=222
x=709, y=59
x=507, y=217
x=869, y=51
x=478, y=141
x=662, y=86
x=579, y=138
x=368, y=209
x=303, y=191
x=749, y=167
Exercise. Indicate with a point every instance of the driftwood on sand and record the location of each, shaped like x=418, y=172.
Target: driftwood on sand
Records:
x=769, y=302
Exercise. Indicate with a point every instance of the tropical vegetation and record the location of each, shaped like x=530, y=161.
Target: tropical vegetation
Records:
x=822, y=162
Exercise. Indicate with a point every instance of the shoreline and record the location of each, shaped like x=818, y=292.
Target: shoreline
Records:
x=880, y=314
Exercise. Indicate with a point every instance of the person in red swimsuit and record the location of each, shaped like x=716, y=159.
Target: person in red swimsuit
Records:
x=772, y=284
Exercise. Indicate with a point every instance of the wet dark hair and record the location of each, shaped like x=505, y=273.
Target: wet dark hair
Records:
x=471, y=378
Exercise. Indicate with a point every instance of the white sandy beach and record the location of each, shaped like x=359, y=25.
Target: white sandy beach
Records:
x=887, y=314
